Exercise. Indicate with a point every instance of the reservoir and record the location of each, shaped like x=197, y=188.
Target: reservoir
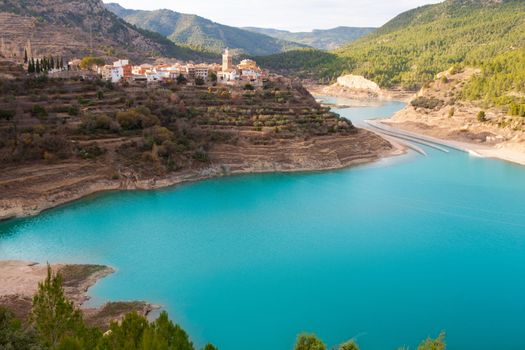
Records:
x=387, y=253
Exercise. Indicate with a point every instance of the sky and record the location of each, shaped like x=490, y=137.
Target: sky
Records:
x=294, y=15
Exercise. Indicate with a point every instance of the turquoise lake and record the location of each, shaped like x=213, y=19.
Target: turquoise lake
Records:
x=388, y=253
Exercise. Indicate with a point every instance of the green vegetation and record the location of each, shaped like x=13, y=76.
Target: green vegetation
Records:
x=412, y=48
x=309, y=342
x=89, y=61
x=482, y=116
x=434, y=344
x=56, y=323
x=501, y=83
x=202, y=34
x=427, y=103
x=328, y=39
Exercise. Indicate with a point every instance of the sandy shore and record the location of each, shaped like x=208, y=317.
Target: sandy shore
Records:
x=479, y=139
x=19, y=282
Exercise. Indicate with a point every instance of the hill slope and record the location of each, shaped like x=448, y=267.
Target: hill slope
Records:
x=77, y=27
x=327, y=39
x=201, y=33
x=412, y=48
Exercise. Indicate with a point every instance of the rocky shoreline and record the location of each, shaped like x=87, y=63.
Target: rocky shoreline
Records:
x=19, y=282
x=30, y=189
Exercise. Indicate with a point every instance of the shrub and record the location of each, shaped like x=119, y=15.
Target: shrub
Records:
x=89, y=61
x=137, y=118
x=451, y=112
x=54, y=144
x=427, y=103
x=199, y=81
x=201, y=156
x=159, y=134
x=73, y=111
x=99, y=122
x=38, y=111
x=90, y=151
x=482, y=116
x=349, y=345
x=309, y=342
x=7, y=114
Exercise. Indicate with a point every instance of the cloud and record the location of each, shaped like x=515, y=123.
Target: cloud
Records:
x=294, y=15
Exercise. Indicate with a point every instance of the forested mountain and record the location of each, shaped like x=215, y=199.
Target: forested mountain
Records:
x=79, y=27
x=327, y=39
x=410, y=49
x=201, y=33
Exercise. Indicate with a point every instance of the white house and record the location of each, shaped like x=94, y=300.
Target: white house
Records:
x=117, y=73
x=152, y=77
x=202, y=72
x=121, y=63
x=225, y=77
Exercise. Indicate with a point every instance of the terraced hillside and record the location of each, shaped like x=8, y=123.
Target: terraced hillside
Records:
x=62, y=139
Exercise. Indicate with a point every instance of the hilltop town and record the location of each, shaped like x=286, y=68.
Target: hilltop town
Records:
x=246, y=73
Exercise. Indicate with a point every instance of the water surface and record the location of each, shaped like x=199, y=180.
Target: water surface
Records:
x=388, y=253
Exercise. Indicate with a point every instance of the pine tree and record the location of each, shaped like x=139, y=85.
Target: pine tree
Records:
x=52, y=315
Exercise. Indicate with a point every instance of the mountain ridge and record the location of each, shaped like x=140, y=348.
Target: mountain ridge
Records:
x=74, y=28
x=322, y=39
x=201, y=33
x=413, y=47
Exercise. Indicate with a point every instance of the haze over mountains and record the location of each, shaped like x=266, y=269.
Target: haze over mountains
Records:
x=204, y=34
x=322, y=39
x=201, y=33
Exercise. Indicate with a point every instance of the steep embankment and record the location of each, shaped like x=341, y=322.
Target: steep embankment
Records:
x=63, y=139
x=201, y=33
x=73, y=28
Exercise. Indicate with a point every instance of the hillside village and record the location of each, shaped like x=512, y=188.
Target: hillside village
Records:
x=244, y=74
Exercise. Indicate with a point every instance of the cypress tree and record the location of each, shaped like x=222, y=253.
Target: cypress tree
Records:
x=52, y=63
x=62, y=62
x=25, y=55
x=58, y=63
x=37, y=67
